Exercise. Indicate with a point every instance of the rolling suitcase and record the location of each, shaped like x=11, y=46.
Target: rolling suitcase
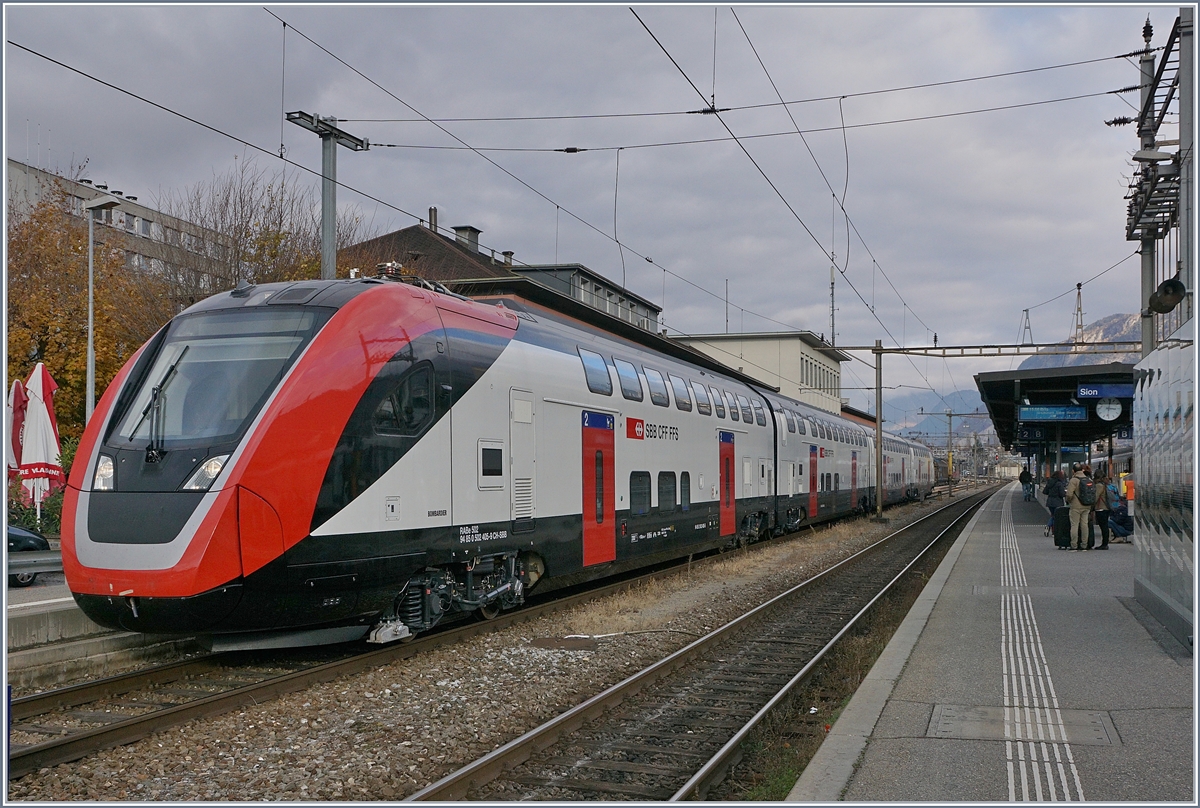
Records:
x=1062, y=526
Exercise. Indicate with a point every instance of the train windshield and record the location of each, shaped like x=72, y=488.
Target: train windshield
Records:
x=213, y=373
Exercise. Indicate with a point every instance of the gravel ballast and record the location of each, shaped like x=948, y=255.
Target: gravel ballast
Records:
x=385, y=733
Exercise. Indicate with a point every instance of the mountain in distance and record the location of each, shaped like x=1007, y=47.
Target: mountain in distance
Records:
x=925, y=413
x=1114, y=328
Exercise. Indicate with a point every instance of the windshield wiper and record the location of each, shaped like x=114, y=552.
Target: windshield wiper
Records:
x=154, y=450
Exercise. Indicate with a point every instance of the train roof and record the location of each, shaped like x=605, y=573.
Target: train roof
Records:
x=491, y=289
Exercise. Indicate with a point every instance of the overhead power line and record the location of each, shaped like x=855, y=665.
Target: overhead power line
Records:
x=509, y=173
x=777, y=192
x=707, y=110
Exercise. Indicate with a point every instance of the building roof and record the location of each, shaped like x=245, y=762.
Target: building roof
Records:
x=426, y=254
x=1004, y=391
x=807, y=337
x=595, y=277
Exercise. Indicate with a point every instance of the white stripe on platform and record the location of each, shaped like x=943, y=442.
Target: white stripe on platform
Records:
x=12, y=606
x=1032, y=717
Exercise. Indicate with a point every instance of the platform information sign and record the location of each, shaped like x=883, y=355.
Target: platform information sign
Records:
x=1048, y=413
x=1104, y=391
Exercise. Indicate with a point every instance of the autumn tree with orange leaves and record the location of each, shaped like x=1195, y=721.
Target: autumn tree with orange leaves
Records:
x=47, y=305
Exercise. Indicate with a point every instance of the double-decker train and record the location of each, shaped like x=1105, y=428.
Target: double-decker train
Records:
x=324, y=461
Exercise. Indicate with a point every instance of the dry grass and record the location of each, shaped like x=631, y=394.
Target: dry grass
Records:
x=654, y=605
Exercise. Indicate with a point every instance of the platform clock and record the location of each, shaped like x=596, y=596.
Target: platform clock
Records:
x=1108, y=409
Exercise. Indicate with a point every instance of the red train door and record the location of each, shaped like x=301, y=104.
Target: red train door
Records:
x=853, y=480
x=599, y=489
x=812, y=482
x=728, y=508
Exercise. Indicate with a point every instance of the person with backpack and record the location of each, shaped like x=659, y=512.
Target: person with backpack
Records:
x=1026, y=484
x=1080, y=497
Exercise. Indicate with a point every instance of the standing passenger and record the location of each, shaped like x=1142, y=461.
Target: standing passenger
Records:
x=1055, y=490
x=1079, y=509
x=1104, y=506
x=1026, y=484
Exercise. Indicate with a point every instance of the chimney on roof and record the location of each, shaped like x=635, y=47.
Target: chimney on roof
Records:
x=468, y=236
x=433, y=219
x=508, y=254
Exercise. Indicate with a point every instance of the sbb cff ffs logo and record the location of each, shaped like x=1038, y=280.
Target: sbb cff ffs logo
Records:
x=635, y=428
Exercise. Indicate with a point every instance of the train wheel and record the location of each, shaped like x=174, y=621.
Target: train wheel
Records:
x=486, y=613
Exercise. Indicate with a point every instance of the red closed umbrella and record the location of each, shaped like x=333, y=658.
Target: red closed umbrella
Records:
x=41, y=464
x=14, y=422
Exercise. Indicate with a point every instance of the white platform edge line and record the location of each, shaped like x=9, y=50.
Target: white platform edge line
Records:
x=830, y=770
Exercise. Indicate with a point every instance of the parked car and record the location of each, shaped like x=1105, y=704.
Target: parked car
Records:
x=20, y=539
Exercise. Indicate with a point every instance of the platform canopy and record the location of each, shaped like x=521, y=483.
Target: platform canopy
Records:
x=1072, y=406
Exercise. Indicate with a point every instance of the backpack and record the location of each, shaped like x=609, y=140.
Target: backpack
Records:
x=1086, y=492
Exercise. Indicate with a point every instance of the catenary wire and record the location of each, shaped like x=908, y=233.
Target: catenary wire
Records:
x=707, y=109
x=516, y=178
x=826, y=253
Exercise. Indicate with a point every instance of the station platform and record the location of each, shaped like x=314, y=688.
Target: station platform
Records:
x=1022, y=673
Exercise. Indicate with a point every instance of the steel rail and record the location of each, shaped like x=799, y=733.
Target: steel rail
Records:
x=713, y=771
x=77, y=745
x=456, y=785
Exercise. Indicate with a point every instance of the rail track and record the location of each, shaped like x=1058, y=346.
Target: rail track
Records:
x=672, y=731
x=68, y=724
x=60, y=726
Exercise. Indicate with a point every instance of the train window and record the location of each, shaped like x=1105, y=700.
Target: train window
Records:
x=639, y=493
x=758, y=413
x=596, y=372
x=820, y=429
x=747, y=415
x=599, y=487
x=717, y=402
x=733, y=406
x=800, y=425
x=408, y=408
x=828, y=482
x=683, y=398
x=631, y=385
x=658, y=387
x=790, y=421
x=491, y=462
x=702, y=405
x=685, y=490
x=837, y=481
x=666, y=492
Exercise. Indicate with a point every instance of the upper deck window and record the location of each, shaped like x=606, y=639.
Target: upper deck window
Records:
x=747, y=415
x=790, y=421
x=759, y=417
x=702, y=405
x=596, y=372
x=717, y=402
x=631, y=385
x=658, y=387
x=683, y=399
x=733, y=406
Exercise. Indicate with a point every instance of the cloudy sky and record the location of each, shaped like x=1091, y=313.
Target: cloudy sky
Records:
x=971, y=215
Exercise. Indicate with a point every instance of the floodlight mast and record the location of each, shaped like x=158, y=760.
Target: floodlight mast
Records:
x=331, y=137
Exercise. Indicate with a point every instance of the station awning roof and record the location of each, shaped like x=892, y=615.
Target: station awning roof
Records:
x=1030, y=407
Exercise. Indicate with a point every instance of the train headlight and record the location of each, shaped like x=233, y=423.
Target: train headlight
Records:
x=103, y=480
x=202, y=480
